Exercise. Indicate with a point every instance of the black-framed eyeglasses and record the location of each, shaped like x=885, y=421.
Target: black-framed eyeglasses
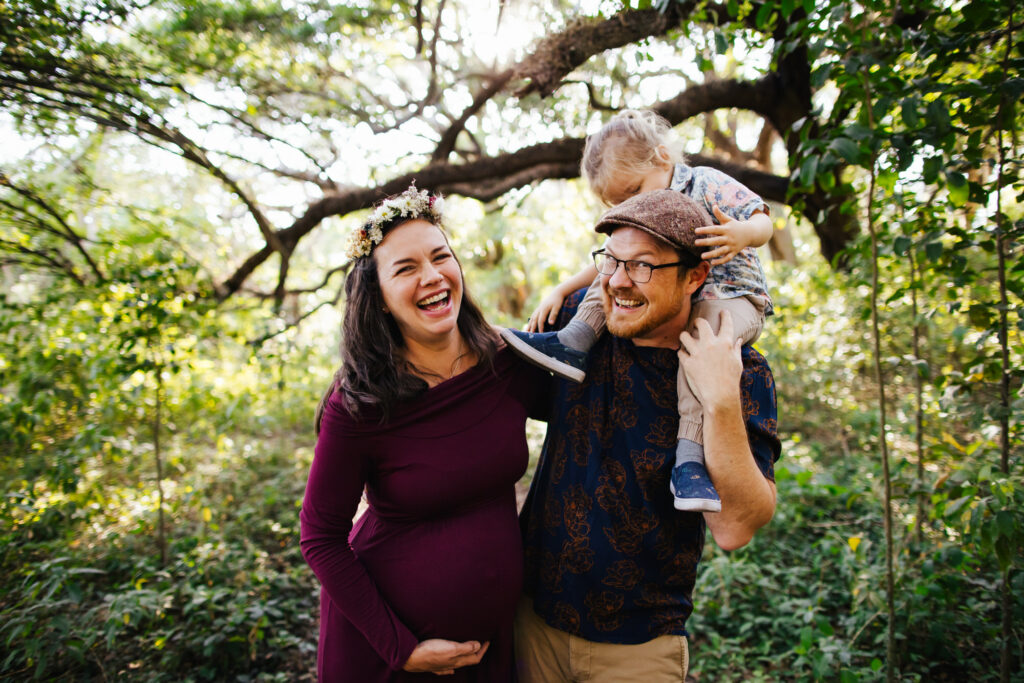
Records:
x=637, y=271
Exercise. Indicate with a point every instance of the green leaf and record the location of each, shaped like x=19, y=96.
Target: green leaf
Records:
x=938, y=116
x=923, y=371
x=956, y=184
x=979, y=315
x=806, y=637
x=887, y=180
x=808, y=169
x=846, y=148
x=858, y=131
x=933, y=251
x=908, y=108
x=957, y=505
x=1004, y=521
x=721, y=42
x=1005, y=550
x=764, y=14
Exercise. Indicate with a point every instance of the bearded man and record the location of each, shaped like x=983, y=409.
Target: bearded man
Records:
x=610, y=562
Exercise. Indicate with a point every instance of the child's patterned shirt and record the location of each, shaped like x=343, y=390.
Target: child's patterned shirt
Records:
x=743, y=275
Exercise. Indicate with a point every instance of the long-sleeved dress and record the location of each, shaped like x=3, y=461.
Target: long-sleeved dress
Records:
x=438, y=552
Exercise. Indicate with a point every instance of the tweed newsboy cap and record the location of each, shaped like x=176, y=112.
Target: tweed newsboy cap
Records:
x=667, y=214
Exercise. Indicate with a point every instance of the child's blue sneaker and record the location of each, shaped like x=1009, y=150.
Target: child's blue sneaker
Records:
x=543, y=349
x=692, y=488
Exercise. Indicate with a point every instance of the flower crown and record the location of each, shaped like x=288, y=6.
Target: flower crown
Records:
x=412, y=203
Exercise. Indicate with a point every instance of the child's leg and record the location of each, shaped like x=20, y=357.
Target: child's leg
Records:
x=586, y=326
x=747, y=316
x=691, y=485
x=564, y=352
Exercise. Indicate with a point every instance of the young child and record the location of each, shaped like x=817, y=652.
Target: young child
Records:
x=633, y=153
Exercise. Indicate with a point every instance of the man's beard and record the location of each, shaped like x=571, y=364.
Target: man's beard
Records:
x=638, y=326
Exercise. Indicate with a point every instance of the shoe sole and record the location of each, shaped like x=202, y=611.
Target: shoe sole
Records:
x=694, y=504
x=537, y=358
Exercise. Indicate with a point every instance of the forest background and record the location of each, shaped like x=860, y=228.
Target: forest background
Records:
x=177, y=178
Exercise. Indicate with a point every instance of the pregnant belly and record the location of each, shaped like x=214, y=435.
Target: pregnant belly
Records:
x=457, y=578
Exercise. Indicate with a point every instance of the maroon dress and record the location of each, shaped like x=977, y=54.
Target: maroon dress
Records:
x=438, y=553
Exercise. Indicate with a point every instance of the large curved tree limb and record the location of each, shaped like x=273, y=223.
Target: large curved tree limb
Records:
x=782, y=96
x=483, y=179
x=557, y=55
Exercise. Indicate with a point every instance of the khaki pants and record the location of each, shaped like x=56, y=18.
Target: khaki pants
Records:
x=548, y=655
x=747, y=322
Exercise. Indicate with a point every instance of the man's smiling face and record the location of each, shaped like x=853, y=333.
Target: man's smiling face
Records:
x=651, y=313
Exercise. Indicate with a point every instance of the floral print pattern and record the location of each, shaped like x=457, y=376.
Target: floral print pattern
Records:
x=608, y=557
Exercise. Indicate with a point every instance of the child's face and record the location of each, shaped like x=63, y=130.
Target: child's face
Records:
x=624, y=185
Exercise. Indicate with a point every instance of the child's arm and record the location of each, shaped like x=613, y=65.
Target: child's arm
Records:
x=732, y=236
x=547, y=311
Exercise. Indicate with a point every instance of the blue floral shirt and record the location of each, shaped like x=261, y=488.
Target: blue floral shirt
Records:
x=743, y=275
x=608, y=557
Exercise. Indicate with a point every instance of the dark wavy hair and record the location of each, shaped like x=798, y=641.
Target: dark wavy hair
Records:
x=373, y=372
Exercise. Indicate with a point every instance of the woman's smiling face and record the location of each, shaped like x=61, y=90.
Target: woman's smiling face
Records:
x=420, y=281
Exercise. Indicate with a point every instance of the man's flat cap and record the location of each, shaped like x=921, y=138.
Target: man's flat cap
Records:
x=667, y=214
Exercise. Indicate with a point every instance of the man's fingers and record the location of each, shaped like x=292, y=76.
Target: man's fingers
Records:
x=703, y=328
x=688, y=343
x=725, y=328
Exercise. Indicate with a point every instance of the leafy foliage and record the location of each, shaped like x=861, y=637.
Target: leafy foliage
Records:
x=162, y=145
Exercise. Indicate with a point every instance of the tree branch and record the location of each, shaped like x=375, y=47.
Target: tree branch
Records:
x=447, y=142
x=484, y=179
x=295, y=323
x=327, y=185
x=51, y=259
x=595, y=104
x=758, y=96
x=256, y=130
x=559, y=54
x=64, y=230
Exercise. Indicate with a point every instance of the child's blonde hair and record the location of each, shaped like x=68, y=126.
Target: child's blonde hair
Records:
x=634, y=141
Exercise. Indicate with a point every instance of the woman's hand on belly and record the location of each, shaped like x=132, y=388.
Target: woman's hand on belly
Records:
x=443, y=657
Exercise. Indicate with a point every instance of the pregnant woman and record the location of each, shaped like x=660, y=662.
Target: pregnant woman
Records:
x=427, y=415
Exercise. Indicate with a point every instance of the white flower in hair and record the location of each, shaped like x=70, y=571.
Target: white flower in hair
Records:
x=412, y=203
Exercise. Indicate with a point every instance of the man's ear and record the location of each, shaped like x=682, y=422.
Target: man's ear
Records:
x=696, y=276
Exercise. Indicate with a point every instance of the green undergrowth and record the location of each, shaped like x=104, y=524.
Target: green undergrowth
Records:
x=86, y=597
x=805, y=600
